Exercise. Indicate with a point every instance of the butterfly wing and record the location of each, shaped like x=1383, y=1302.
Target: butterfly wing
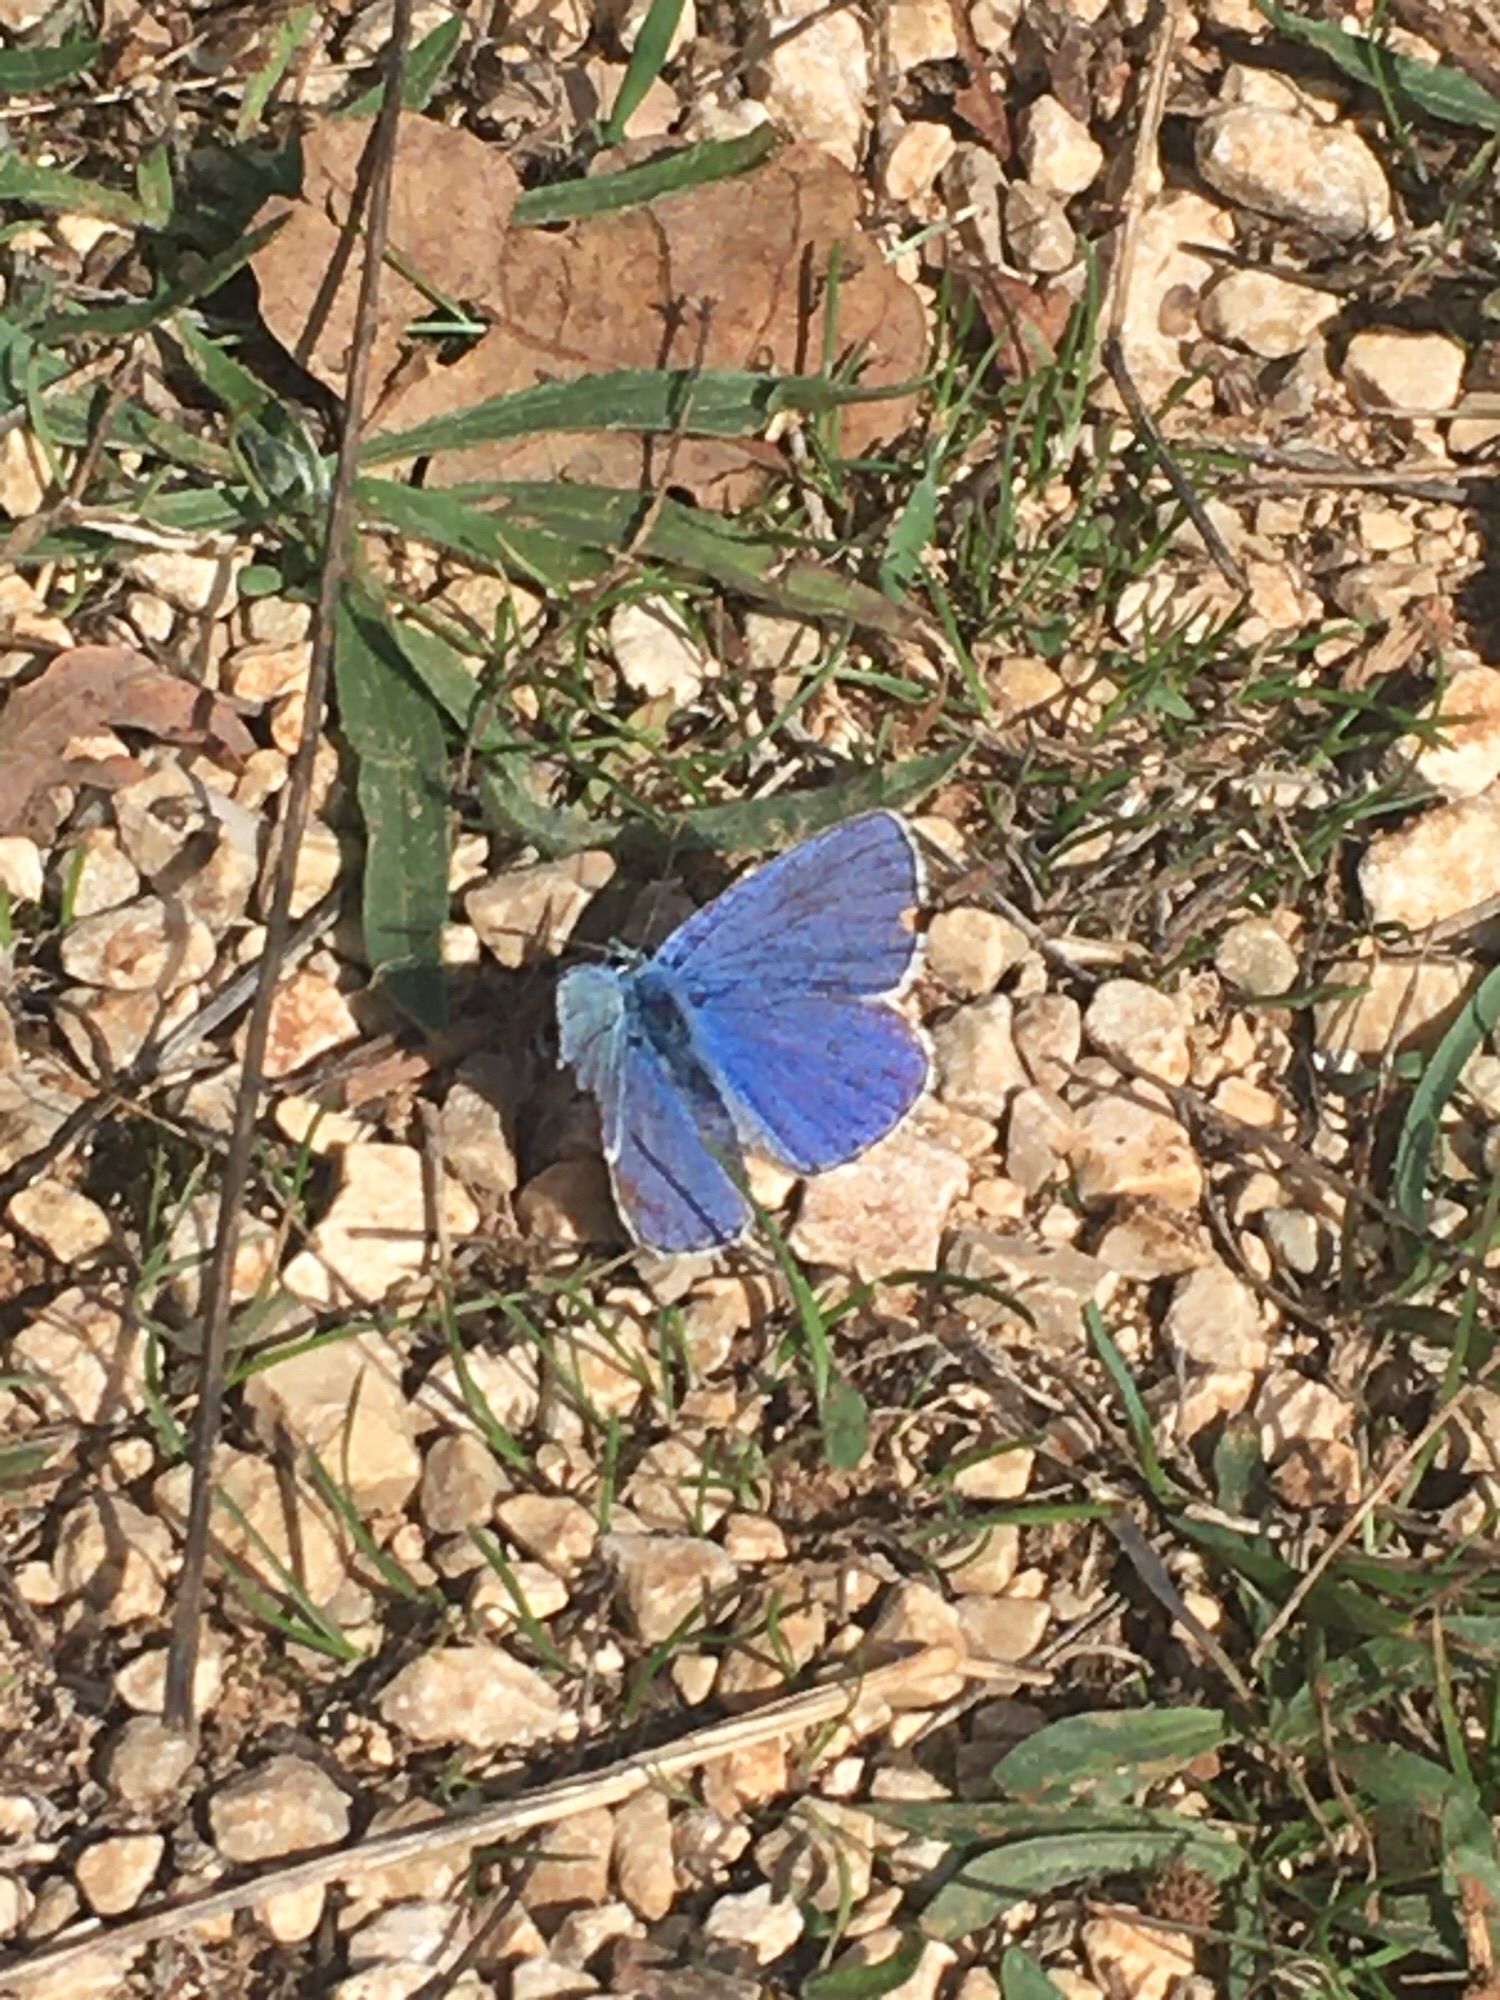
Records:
x=668, y=1139
x=831, y=917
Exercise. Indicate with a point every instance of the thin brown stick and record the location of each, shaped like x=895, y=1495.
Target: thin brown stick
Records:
x=543, y=1807
x=378, y=161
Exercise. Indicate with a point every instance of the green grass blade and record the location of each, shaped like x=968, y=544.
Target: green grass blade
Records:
x=153, y=186
x=1419, y=1129
x=752, y=825
x=26, y=70
x=695, y=166
x=1442, y=92
x=1137, y=1417
x=653, y=44
x=1021, y=1978
x=1109, y=1753
x=57, y=187
x=868, y=1982
x=426, y=67
x=398, y=738
x=282, y=45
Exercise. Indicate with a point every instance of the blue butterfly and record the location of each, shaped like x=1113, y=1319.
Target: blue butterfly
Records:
x=761, y=1023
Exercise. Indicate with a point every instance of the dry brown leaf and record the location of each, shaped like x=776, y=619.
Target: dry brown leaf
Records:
x=734, y=274
x=85, y=693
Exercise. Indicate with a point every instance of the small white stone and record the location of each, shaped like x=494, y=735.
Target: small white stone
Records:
x=281, y=1807
x=1041, y=239
x=1390, y=368
x=978, y=1067
x=529, y=913
x=65, y=1222
x=665, y=1579
x=1214, y=1320
x=474, y=1695
x=145, y=946
x=1437, y=865
x=920, y=31
x=656, y=653
x=21, y=875
x=1460, y=757
x=1265, y=313
x=1058, y=151
x=1134, y=1021
x=816, y=84
x=114, y=1873
x=970, y=949
x=194, y=583
x=757, y=1922
x=1254, y=958
x=1323, y=177
x=883, y=1212
x=344, y=1400
x=378, y=1234
x=916, y=160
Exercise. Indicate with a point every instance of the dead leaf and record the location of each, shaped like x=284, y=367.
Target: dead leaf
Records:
x=85, y=693
x=734, y=274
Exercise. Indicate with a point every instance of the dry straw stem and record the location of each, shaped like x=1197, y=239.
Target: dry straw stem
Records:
x=375, y=176
x=900, y=1682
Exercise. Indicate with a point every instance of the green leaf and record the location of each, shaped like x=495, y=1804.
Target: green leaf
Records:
x=282, y=43
x=25, y=70
x=1370, y=1677
x=867, y=1982
x=1419, y=1128
x=1021, y=1978
x=1442, y=92
x=653, y=43
x=425, y=68
x=398, y=739
x=58, y=187
x=756, y=824
x=712, y=160
x=1111, y=1753
x=712, y=403
x=846, y=1426
x=986, y=1885
x=153, y=186
x=911, y=532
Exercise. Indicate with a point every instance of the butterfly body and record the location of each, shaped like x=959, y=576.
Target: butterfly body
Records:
x=762, y=1023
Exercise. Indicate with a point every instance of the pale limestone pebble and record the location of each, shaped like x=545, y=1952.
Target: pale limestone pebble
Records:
x=98, y=1975
x=779, y=645
x=323, y=1131
x=473, y=1133
x=754, y=1538
x=746, y=1779
x=657, y=654
x=544, y=1979
x=1170, y=261
x=994, y=1198
x=22, y=877
x=757, y=1921
x=1321, y=177
x=1047, y=1029
x=344, y=1401
x=555, y=1528
x=265, y=670
x=920, y=31
x=924, y=1982
x=1125, y=1148
x=476, y=1695
x=157, y=816
x=460, y=1483
x=1300, y=1242
x=116, y=1872
x=977, y=1064
x=543, y=28
x=191, y=1245
x=16, y=1905
x=1164, y=601
x=713, y=1314
x=310, y=1017
x=569, y=1203
x=642, y=1854
x=292, y=1915
x=755, y=1668
x=1265, y=313
x=1459, y=755
x=434, y=1874
x=378, y=1235
x=1149, y=1962
x=693, y=1675
x=206, y=583
x=148, y=945
x=1391, y=368
x=1045, y=1285
x=141, y=1682
x=1020, y=684
x=418, y=1931
x=1306, y=1430
x=1375, y=592
x=675, y=1486
x=1128, y=1020
x=603, y=1365
x=971, y=949
x=62, y=1220
x=320, y=863
x=667, y=1580
x=497, y=1605
x=1437, y=865
x=283, y=1806
x=916, y=160
x=1145, y=1241
x=571, y=1868
x=115, y=1560
x=504, y=1387
x=25, y=474
x=816, y=83
x=1469, y=436
x=977, y=1983
x=146, y=1762
x=529, y=913
x=95, y=873
x=584, y=1934
x=266, y=1526
x=1058, y=151
x=1040, y=238
x=885, y=1211
x=983, y=1565
x=1396, y=1003
x=1279, y=601
x=107, y=1031
x=1254, y=958
x=822, y=1853
x=1040, y=1135
x=25, y=620
x=1214, y=1320
x=916, y=1615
